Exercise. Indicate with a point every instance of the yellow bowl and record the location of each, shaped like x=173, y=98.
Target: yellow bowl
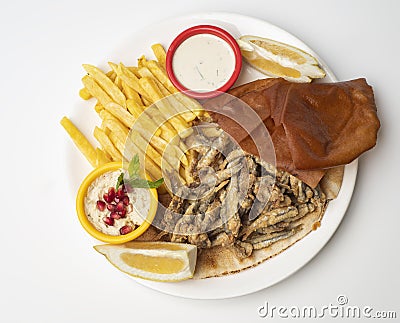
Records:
x=88, y=226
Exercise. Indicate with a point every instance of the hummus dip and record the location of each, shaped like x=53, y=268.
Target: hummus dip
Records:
x=136, y=211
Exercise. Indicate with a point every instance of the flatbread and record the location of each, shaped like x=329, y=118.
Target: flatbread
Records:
x=332, y=181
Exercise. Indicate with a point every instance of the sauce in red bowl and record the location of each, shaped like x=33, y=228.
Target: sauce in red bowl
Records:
x=203, y=61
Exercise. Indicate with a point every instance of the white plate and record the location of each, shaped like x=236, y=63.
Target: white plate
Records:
x=281, y=266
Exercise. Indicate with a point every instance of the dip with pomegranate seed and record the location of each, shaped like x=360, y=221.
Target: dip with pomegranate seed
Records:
x=115, y=211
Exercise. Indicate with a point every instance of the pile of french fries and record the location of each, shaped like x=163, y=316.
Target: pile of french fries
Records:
x=142, y=113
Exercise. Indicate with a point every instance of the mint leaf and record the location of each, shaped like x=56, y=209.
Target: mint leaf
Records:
x=120, y=180
x=142, y=183
x=134, y=178
x=134, y=167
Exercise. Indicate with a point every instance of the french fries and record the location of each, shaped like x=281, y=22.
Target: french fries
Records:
x=106, y=84
x=160, y=54
x=107, y=144
x=95, y=90
x=120, y=113
x=154, y=92
x=142, y=113
x=80, y=141
x=84, y=93
x=101, y=157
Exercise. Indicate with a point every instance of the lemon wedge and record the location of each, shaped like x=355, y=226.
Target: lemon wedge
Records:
x=157, y=261
x=277, y=59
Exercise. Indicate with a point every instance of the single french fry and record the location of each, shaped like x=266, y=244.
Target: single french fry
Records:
x=145, y=72
x=79, y=140
x=104, y=114
x=134, y=70
x=106, y=83
x=120, y=113
x=107, y=145
x=130, y=93
x=119, y=144
x=152, y=168
x=111, y=75
x=116, y=126
x=98, y=107
x=142, y=61
x=134, y=108
x=105, y=129
x=95, y=90
x=84, y=93
x=114, y=67
x=157, y=142
x=146, y=102
x=159, y=53
x=101, y=157
x=118, y=82
x=145, y=146
x=142, y=120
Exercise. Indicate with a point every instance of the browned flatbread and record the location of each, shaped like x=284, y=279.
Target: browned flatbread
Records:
x=344, y=112
x=261, y=96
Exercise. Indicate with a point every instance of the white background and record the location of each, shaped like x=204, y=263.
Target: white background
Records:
x=48, y=271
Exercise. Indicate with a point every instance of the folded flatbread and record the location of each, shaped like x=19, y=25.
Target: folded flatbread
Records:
x=313, y=126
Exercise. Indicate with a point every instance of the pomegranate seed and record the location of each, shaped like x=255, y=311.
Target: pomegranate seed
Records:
x=115, y=216
x=125, y=200
x=116, y=199
x=111, y=193
x=109, y=221
x=122, y=213
x=125, y=229
x=120, y=207
x=106, y=198
x=101, y=205
x=124, y=188
x=111, y=207
x=120, y=192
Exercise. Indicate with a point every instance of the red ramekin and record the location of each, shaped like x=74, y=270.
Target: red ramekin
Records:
x=204, y=29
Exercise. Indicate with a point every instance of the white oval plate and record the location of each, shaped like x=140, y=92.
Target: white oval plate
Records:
x=281, y=266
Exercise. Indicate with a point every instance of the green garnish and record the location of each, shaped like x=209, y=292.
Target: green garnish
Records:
x=134, y=167
x=134, y=177
x=120, y=180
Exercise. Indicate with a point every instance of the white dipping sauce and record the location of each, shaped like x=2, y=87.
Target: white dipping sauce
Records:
x=203, y=62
